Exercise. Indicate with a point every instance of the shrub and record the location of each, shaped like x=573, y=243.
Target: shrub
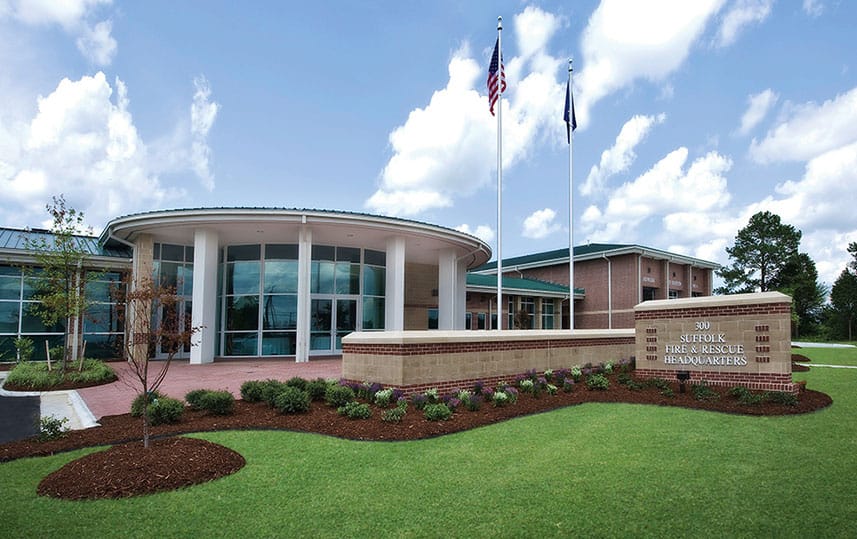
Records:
x=24, y=347
x=597, y=382
x=576, y=373
x=355, y=410
x=217, y=402
x=625, y=379
x=658, y=383
x=52, y=428
x=165, y=410
x=500, y=398
x=337, y=395
x=270, y=390
x=608, y=367
x=668, y=392
x=193, y=398
x=478, y=387
x=394, y=415
x=419, y=401
x=780, y=397
x=384, y=397
x=297, y=381
x=251, y=390
x=474, y=403
x=548, y=375
x=137, y=405
x=316, y=389
x=568, y=385
x=35, y=376
x=452, y=403
x=551, y=389
x=94, y=371
x=291, y=400
x=437, y=412
x=745, y=396
x=402, y=403
x=367, y=391
x=432, y=395
x=527, y=385
x=702, y=392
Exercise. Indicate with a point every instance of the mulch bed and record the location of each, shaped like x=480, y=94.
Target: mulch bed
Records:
x=127, y=469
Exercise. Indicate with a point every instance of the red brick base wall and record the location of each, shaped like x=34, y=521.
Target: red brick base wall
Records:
x=757, y=382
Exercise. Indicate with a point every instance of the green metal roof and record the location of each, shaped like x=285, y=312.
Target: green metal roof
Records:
x=586, y=251
x=534, y=286
x=13, y=239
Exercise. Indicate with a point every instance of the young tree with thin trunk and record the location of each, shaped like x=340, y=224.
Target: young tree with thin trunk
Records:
x=61, y=273
x=145, y=335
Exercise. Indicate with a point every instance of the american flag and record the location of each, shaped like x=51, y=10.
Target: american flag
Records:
x=570, y=119
x=496, y=84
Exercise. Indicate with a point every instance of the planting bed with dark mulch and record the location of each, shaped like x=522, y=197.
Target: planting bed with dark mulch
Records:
x=172, y=462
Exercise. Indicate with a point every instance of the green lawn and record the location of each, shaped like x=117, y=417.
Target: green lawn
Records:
x=592, y=470
x=830, y=356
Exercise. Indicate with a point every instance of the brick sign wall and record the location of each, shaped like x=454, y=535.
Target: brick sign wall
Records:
x=743, y=339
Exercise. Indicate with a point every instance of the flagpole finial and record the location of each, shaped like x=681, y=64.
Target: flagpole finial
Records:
x=499, y=23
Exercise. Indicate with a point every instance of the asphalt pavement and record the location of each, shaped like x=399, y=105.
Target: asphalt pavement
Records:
x=19, y=417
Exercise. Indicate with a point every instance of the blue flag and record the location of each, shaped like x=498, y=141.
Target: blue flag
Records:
x=568, y=116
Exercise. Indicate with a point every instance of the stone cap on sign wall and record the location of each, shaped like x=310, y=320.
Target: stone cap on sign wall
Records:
x=442, y=336
x=755, y=298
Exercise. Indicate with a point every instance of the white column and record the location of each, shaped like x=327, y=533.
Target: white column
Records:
x=204, y=308
x=447, y=282
x=460, y=295
x=304, y=281
x=394, y=301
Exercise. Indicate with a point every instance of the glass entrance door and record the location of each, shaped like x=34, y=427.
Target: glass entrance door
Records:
x=331, y=318
x=169, y=318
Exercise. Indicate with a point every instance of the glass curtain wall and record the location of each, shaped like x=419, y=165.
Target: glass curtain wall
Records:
x=172, y=267
x=259, y=297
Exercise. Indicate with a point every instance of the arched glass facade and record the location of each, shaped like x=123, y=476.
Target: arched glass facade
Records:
x=258, y=297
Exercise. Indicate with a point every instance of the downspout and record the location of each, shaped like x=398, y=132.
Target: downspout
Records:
x=609, y=292
x=640, y=278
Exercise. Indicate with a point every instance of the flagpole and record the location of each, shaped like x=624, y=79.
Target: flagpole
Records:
x=500, y=176
x=570, y=207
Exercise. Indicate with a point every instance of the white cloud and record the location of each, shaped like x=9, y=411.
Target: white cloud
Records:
x=813, y=8
x=660, y=191
x=758, y=106
x=94, y=42
x=619, y=157
x=82, y=142
x=626, y=41
x=809, y=130
x=447, y=149
x=540, y=224
x=203, y=112
x=740, y=15
x=483, y=232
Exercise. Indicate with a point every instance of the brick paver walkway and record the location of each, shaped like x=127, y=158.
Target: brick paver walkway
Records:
x=115, y=398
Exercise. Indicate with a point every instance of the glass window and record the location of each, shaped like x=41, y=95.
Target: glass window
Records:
x=347, y=278
x=168, y=275
x=547, y=314
x=480, y=321
x=10, y=283
x=373, y=313
x=275, y=251
x=374, y=281
x=432, y=318
x=242, y=312
x=323, y=252
x=374, y=258
x=242, y=278
x=280, y=312
x=101, y=318
x=281, y=276
x=243, y=252
x=9, y=316
x=649, y=293
x=348, y=254
x=241, y=344
x=172, y=252
x=279, y=343
x=322, y=277
x=673, y=294
x=31, y=322
x=468, y=320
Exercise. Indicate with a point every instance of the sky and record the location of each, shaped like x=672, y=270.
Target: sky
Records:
x=692, y=116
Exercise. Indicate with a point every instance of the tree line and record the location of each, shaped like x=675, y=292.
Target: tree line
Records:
x=766, y=257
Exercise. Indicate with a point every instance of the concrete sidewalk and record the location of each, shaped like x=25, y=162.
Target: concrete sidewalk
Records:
x=115, y=398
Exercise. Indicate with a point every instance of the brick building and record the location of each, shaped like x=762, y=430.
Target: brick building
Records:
x=609, y=280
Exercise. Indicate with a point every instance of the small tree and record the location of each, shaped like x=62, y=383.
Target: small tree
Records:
x=145, y=337
x=761, y=250
x=60, y=281
x=799, y=279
